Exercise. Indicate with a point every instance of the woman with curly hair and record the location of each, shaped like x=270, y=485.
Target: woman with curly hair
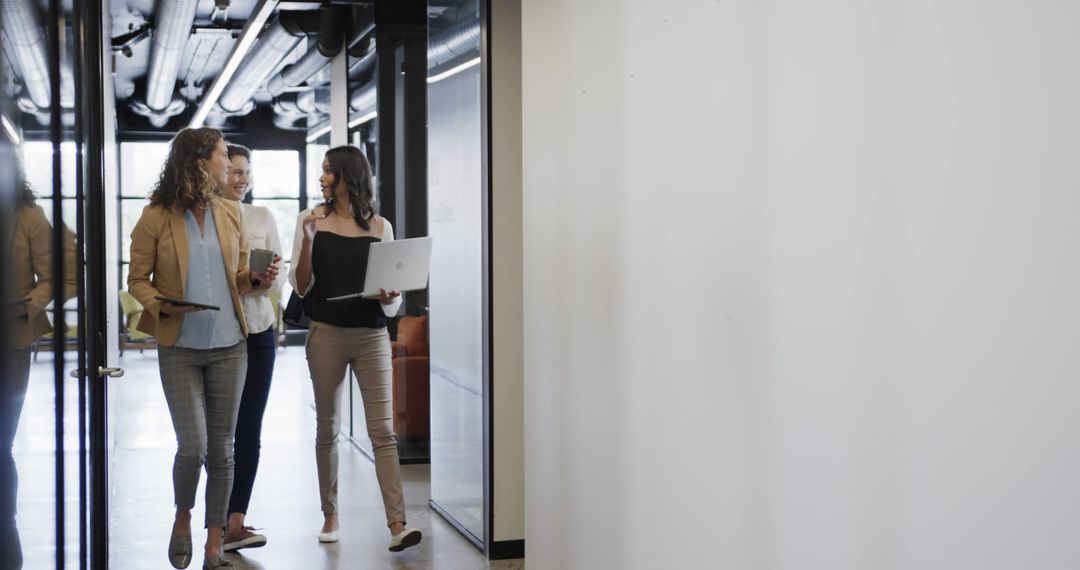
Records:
x=329, y=259
x=188, y=245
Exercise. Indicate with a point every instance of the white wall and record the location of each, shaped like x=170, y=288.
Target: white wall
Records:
x=801, y=284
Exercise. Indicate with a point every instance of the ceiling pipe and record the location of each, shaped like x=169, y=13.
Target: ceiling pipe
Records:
x=260, y=13
x=271, y=48
x=330, y=41
x=290, y=122
x=27, y=39
x=364, y=99
x=172, y=28
x=297, y=104
x=363, y=64
x=457, y=40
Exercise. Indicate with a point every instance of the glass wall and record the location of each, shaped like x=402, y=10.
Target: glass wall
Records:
x=455, y=220
x=42, y=506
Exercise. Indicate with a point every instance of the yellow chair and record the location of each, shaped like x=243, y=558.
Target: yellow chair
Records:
x=132, y=310
x=279, y=323
x=45, y=341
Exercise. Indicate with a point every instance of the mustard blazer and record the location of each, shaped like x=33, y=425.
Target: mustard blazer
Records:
x=159, y=264
x=31, y=258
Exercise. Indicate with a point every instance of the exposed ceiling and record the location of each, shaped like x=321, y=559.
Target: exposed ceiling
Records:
x=161, y=91
x=168, y=53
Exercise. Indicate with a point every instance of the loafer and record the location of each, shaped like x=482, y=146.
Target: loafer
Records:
x=180, y=551
x=405, y=539
x=327, y=537
x=245, y=538
x=217, y=563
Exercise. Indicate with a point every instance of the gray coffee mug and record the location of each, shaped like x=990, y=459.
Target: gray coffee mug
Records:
x=261, y=259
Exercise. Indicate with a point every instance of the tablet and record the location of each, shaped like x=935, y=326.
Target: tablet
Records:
x=183, y=303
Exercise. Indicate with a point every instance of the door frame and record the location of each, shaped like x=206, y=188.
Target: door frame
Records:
x=95, y=114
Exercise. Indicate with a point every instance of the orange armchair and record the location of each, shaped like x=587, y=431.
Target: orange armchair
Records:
x=411, y=379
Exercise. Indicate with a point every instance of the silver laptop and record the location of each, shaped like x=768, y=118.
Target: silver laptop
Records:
x=398, y=265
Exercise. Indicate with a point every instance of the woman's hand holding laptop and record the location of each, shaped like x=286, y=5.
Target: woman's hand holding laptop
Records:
x=386, y=297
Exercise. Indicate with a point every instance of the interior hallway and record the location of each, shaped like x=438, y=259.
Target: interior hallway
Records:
x=285, y=500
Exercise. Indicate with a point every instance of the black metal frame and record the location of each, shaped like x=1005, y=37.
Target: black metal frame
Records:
x=488, y=284
x=81, y=65
x=96, y=283
x=56, y=134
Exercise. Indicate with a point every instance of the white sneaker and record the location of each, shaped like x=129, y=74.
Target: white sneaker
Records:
x=405, y=539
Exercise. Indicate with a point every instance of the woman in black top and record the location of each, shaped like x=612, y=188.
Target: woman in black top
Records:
x=330, y=259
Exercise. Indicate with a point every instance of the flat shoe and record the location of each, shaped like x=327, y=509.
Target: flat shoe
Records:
x=216, y=563
x=180, y=551
x=405, y=539
x=326, y=537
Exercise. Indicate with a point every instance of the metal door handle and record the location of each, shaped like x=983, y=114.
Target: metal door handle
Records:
x=110, y=372
x=102, y=372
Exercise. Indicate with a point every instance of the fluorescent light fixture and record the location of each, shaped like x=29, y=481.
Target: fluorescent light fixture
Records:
x=325, y=127
x=318, y=132
x=454, y=70
x=361, y=120
x=12, y=132
x=259, y=15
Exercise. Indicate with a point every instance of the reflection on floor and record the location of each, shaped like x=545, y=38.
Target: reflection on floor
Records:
x=285, y=501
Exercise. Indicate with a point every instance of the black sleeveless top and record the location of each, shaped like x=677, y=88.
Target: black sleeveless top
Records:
x=339, y=264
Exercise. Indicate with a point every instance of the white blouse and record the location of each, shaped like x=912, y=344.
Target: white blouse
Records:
x=298, y=242
x=261, y=232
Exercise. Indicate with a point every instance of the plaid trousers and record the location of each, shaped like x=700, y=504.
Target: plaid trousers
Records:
x=202, y=389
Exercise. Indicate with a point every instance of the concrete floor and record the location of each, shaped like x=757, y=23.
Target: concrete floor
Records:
x=285, y=501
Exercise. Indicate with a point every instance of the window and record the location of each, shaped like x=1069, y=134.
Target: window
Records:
x=275, y=185
x=140, y=167
x=37, y=164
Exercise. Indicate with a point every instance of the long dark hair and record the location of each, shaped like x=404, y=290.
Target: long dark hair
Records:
x=184, y=180
x=348, y=164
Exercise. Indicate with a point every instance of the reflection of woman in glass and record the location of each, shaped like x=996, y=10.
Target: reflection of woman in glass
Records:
x=329, y=259
x=188, y=245
x=30, y=282
x=260, y=229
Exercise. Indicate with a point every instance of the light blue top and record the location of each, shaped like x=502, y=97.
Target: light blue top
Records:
x=207, y=283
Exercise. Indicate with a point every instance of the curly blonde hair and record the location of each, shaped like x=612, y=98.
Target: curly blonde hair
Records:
x=184, y=180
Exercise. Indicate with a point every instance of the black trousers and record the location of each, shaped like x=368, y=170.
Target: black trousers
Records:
x=15, y=381
x=262, y=351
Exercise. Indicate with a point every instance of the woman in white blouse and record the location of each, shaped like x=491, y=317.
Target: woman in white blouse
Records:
x=261, y=232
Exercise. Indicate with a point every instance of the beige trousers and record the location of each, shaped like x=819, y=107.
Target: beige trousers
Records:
x=330, y=350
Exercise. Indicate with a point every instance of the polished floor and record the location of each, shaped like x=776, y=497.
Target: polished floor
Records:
x=285, y=502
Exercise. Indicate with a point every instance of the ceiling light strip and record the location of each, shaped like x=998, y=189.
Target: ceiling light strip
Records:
x=259, y=15
x=325, y=127
x=318, y=132
x=361, y=120
x=12, y=132
x=454, y=70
